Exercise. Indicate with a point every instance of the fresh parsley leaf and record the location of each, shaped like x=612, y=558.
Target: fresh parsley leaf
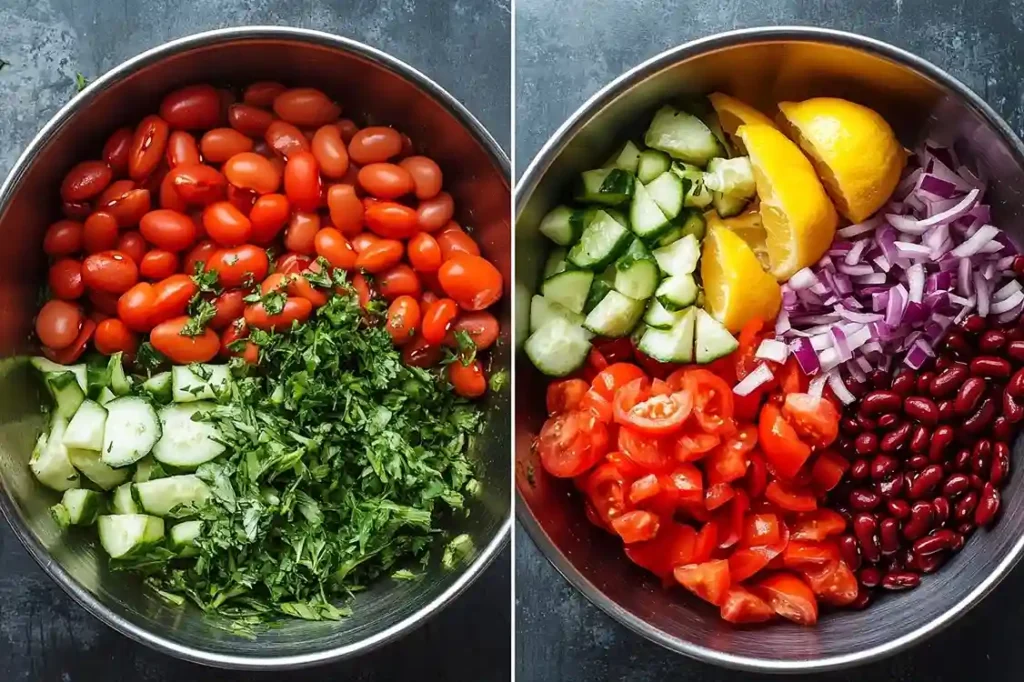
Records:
x=321, y=277
x=273, y=302
x=466, y=347
x=206, y=281
x=498, y=381
x=458, y=549
x=201, y=312
x=80, y=81
x=149, y=358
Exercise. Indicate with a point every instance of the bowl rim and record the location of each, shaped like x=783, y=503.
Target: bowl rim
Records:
x=42, y=557
x=524, y=190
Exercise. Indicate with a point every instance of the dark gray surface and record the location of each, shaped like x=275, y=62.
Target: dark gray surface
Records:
x=464, y=46
x=564, y=54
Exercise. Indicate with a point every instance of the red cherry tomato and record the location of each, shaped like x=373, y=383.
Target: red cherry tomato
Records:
x=171, y=297
x=302, y=181
x=268, y=217
x=237, y=331
x=419, y=353
x=472, y=281
x=789, y=596
x=300, y=236
x=380, y=255
x=65, y=279
x=345, y=208
x=391, y=220
x=285, y=139
x=58, y=324
x=399, y=281
x=295, y=310
x=469, y=381
x=436, y=212
x=482, y=327
x=220, y=144
x=426, y=175
x=330, y=151
x=168, y=230
x=815, y=419
x=167, y=338
x=71, y=353
x=147, y=148
x=158, y=264
x=783, y=449
x=709, y=580
x=386, y=180
x=403, y=319
x=424, y=253
x=569, y=444
x=453, y=240
x=437, y=319
x=657, y=415
x=292, y=263
x=742, y=606
x=636, y=526
x=331, y=245
x=565, y=396
x=235, y=265
x=115, y=150
x=262, y=93
x=112, y=336
x=63, y=238
x=200, y=253
x=109, y=271
x=99, y=232
x=226, y=225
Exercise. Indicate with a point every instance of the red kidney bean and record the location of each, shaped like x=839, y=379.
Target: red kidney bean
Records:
x=968, y=396
x=956, y=485
x=941, y=439
x=866, y=423
x=957, y=543
x=892, y=487
x=917, y=462
x=925, y=481
x=879, y=378
x=924, y=380
x=981, y=457
x=845, y=447
x=973, y=324
x=878, y=402
x=1002, y=428
x=1016, y=349
x=864, y=500
x=988, y=506
x=981, y=419
x=882, y=466
x=901, y=580
x=920, y=521
x=940, y=505
x=920, y=438
x=962, y=460
x=942, y=362
x=895, y=439
x=1000, y=464
x=899, y=509
x=849, y=426
x=977, y=482
x=991, y=366
x=992, y=341
x=929, y=564
x=860, y=470
x=903, y=383
x=964, y=510
x=946, y=410
x=865, y=444
x=888, y=421
x=889, y=536
x=1012, y=410
x=849, y=551
x=863, y=600
x=957, y=343
x=921, y=409
x=939, y=541
x=870, y=577
x=1016, y=384
x=949, y=380
x=865, y=529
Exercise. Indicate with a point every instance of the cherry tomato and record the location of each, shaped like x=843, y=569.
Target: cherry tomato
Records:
x=147, y=149
x=437, y=319
x=782, y=447
x=63, y=238
x=348, y=129
x=306, y=107
x=815, y=419
x=615, y=376
x=657, y=415
x=565, y=396
x=167, y=338
x=469, y=381
x=742, y=606
x=268, y=217
x=472, y=281
x=434, y=213
x=712, y=403
x=226, y=225
x=292, y=263
x=331, y=245
x=330, y=151
x=672, y=546
x=200, y=253
x=833, y=583
x=71, y=353
x=709, y=580
x=236, y=331
x=110, y=271
x=113, y=336
x=295, y=310
x=168, y=230
x=302, y=181
x=426, y=175
x=235, y=265
x=424, y=253
x=249, y=120
x=85, y=180
x=198, y=184
x=300, y=286
x=135, y=307
x=636, y=526
x=481, y=326
x=132, y=245
x=569, y=444
x=386, y=180
x=403, y=319
x=789, y=596
x=99, y=232
x=651, y=454
x=193, y=107
x=220, y=144
x=391, y=220
x=399, y=281
x=828, y=470
x=285, y=139
x=58, y=324
x=363, y=241
x=375, y=144
x=346, y=209
x=453, y=240
x=249, y=170
x=171, y=297
x=300, y=236
x=158, y=264
x=276, y=281
x=380, y=255
x=262, y=93
x=65, y=279
x=115, y=150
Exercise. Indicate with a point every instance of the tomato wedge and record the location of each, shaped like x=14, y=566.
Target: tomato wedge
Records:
x=636, y=526
x=817, y=525
x=651, y=454
x=613, y=377
x=761, y=529
x=712, y=399
x=833, y=583
x=785, y=452
x=672, y=546
x=644, y=488
x=801, y=553
x=597, y=404
x=710, y=580
x=571, y=443
x=790, y=498
x=657, y=415
x=789, y=596
x=565, y=396
x=717, y=495
x=747, y=561
x=605, y=487
x=828, y=470
x=742, y=606
x=815, y=419
x=684, y=486
x=691, y=447
x=707, y=541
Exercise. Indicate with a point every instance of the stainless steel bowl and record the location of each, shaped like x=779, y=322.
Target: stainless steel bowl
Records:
x=373, y=87
x=761, y=66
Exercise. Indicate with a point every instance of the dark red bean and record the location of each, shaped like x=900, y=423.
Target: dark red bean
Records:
x=889, y=536
x=855, y=387
x=939, y=541
x=1016, y=349
x=941, y=510
x=888, y=420
x=901, y=580
x=992, y=341
x=962, y=461
x=1002, y=428
x=865, y=529
x=892, y=487
x=942, y=362
x=965, y=529
x=956, y=485
x=845, y=447
x=974, y=324
x=957, y=343
x=879, y=402
x=949, y=380
x=925, y=482
x=865, y=444
x=882, y=466
x=899, y=509
x=903, y=383
x=1012, y=410
x=864, y=500
x=965, y=507
x=957, y=543
x=982, y=417
x=946, y=410
x=929, y=564
x=849, y=426
x=879, y=378
x=991, y=366
x=866, y=423
x=1000, y=464
x=920, y=438
x=1016, y=384
x=863, y=600
x=849, y=551
x=968, y=396
x=895, y=439
x=920, y=521
x=977, y=482
x=941, y=439
x=921, y=409
x=917, y=462
x=988, y=506
x=924, y=381
x=860, y=470
x=981, y=457
x=870, y=576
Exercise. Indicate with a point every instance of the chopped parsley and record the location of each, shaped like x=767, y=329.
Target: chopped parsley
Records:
x=465, y=349
x=80, y=81
x=148, y=358
x=498, y=380
x=200, y=311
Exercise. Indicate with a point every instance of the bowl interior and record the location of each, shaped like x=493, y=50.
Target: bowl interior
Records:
x=761, y=67
x=371, y=88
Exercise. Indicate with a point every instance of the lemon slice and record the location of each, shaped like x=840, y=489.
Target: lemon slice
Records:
x=797, y=215
x=732, y=113
x=748, y=226
x=853, y=149
x=736, y=289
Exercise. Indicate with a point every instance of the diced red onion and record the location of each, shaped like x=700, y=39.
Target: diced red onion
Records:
x=973, y=244
x=805, y=356
x=1009, y=303
x=982, y=292
x=853, y=256
x=1007, y=290
x=802, y=279
x=757, y=378
x=835, y=382
x=869, y=225
x=817, y=385
x=773, y=350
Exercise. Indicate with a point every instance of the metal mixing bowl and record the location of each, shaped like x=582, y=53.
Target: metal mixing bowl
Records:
x=372, y=86
x=761, y=66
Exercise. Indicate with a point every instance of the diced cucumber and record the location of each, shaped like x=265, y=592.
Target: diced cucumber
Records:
x=49, y=461
x=198, y=382
x=172, y=496
x=695, y=193
x=105, y=396
x=542, y=310
x=692, y=222
x=554, y=264
x=45, y=366
x=652, y=163
x=680, y=257
x=615, y=213
x=713, y=339
x=92, y=467
x=606, y=186
x=674, y=234
x=131, y=432
x=615, y=316
x=122, y=535
x=602, y=242
x=159, y=386
x=627, y=158
x=638, y=333
x=85, y=430
x=183, y=537
x=667, y=192
x=599, y=288
x=682, y=136
x=636, y=272
x=120, y=384
x=659, y=317
x=732, y=184
x=563, y=225
x=187, y=441
x=677, y=292
x=558, y=348
x=66, y=392
x=97, y=376
x=568, y=288
x=729, y=206
x=78, y=507
x=646, y=218
x=123, y=502
x=671, y=345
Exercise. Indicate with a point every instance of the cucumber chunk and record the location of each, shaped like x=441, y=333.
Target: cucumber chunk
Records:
x=732, y=184
x=695, y=193
x=131, y=432
x=172, y=496
x=677, y=292
x=615, y=316
x=668, y=192
x=603, y=240
x=105, y=396
x=659, y=317
x=66, y=392
x=568, y=288
x=713, y=339
x=92, y=467
x=85, y=430
x=682, y=136
x=120, y=384
x=198, y=382
x=692, y=222
x=680, y=257
x=123, y=501
x=646, y=218
x=147, y=469
x=674, y=344
x=607, y=186
x=49, y=462
x=558, y=348
x=122, y=535
x=627, y=158
x=542, y=310
x=187, y=441
x=183, y=536
x=651, y=164
x=555, y=263
x=599, y=288
x=636, y=272
x=160, y=387
x=46, y=366
x=563, y=225
x=78, y=507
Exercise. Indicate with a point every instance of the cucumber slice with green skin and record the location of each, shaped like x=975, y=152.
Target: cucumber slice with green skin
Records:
x=713, y=339
x=555, y=263
x=89, y=463
x=627, y=158
x=677, y=292
x=615, y=316
x=636, y=272
x=46, y=366
x=542, y=310
x=172, y=496
x=105, y=396
x=679, y=257
x=602, y=242
x=78, y=507
x=198, y=382
x=682, y=136
x=147, y=469
x=160, y=387
x=49, y=462
x=646, y=218
x=558, y=348
x=131, y=432
x=600, y=287
x=85, y=430
x=122, y=535
x=568, y=288
x=692, y=222
x=659, y=317
x=182, y=537
x=97, y=376
x=671, y=237
x=651, y=164
x=187, y=441
x=674, y=344
x=732, y=184
x=695, y=194
x=563, y=225
x=616, y=214
x=606, y=186
x=727, y=206
x=120, y=384
x=66, y=392
x=123, y=501
x=668, y=192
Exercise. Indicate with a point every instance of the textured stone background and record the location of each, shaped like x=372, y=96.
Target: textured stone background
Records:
x=464, y=45
x=565, y=52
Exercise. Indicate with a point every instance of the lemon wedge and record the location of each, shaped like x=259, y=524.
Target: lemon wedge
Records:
x=732, y=113
x=736, y=289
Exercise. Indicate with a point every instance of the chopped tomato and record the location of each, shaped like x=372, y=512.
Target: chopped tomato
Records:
x=624, y=464
x=717, y=495
x=784, y=450
x=728, y=462
x=571, y=443
x=644, y=488
x=613, y=377
x=605, y=486
x=712, y=400
x=801, y=553
x=757, y=475
x=657, y=415
x=596, y=363
x=815, y=419
x=761, y=529
x=691, y=447
x=748, y=560
x=615, y=350
x=672, y=546
x=749, y=340
x=818, y=525
x=790, y=498
x=828, y=470
x=743, y=606
x=566, y=395
x=789, y=596
x=652, y=366
x=636, y=526
x=707, y=541
x=596, y=403
x=652, y=454
x=833, y=583
x=709, y=580
x=730, y=519
x=684, y=485
x=791, y=378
